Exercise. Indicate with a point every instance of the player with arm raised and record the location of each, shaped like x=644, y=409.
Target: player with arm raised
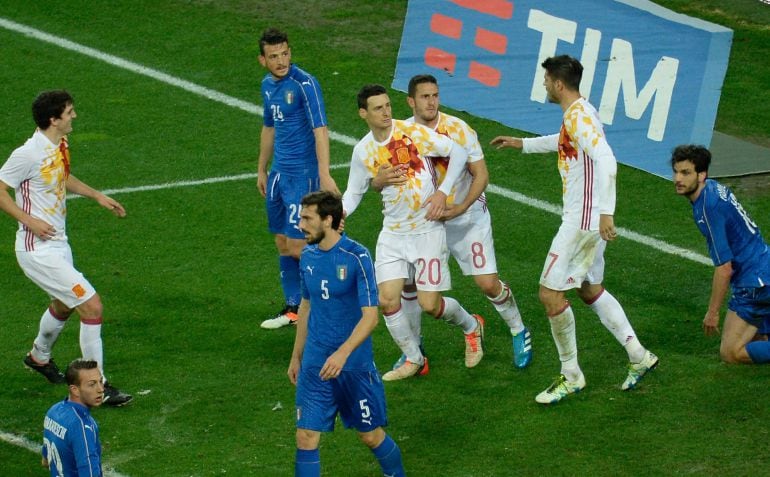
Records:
x=468, y=222
x=412, y=235
x=576, y=258
x=296, y=137
x=332, y=363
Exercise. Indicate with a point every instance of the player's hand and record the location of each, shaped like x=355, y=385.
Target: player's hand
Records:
x=328, y=184
x=711, y=323
x=111, y=204
x=333, y=365
x=435, y=204
x=390, y=175
x=293, y=371
x=42, y=229
x=451, y=211
x=607, y=227
x=262, y=183
x=507, y=141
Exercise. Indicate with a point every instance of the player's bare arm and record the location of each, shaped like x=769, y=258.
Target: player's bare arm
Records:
x=322, y=153
x=507, y=141
x=334, y=363
x=390, y=175
x=76, y=186
x=719, y=288
x=40, y=228
x=299, y=341
x=266, y=143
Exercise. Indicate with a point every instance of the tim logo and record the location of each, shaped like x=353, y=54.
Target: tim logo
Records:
x=488, y=40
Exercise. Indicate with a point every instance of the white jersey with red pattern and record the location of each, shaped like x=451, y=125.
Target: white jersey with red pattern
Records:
x=586, y=164
x=461, y=133
x=408, y=143
x=38, y=171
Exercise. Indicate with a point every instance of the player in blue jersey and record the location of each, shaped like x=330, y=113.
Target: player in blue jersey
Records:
x=740, y=254
x=295, y=136
x=71, y=445
x=332, y=363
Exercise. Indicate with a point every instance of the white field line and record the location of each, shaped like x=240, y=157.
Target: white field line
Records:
x=255, y=109
x=25, y=443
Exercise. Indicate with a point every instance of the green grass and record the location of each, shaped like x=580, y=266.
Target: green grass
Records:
x=189, y=274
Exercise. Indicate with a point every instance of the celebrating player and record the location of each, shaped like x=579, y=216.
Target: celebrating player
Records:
x=295, y=135
x=39, y=173
x=71, y=444
x=332, y=362
x=739, y=253
x=576, y=258
x=468, y=223
x=412, y=235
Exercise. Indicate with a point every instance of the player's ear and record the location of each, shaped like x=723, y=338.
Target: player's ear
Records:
x=362, y=113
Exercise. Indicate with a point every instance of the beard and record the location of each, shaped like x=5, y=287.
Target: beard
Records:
x=314, y=239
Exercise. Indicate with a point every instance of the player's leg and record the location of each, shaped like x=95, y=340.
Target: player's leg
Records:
x=315, y=411
x=386, y=451
x=748, y=312
x=411, y=309
x=39, y=357
x=501, y=297
x=307, y=461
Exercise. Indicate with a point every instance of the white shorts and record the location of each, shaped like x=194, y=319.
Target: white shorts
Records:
x=469, y=237
x=426, y=254
x=576, y=256
x=52, y=270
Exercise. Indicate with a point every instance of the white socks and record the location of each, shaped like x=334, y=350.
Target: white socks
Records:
x=614, y=319
x=455, y=314
x=506, y=306
x=50, y=327
x=563, y=332
x=411, y=308
x=400, y=329
x=91, y=343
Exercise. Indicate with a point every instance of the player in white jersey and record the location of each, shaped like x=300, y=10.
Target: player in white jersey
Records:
x=39, y=173
x=468, y=222
x=412, y=235
x=576, y=259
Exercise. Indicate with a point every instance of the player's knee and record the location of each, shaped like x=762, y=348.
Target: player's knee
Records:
x=431, y=304
x=372, y=439
x=730, y=353
x=91, y=308
x=307, y=439
x=490, y=286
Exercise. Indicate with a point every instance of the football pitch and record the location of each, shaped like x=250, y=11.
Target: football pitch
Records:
x=168, y=122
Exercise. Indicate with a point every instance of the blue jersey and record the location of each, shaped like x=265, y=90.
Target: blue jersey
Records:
x=338, y=283
x=732, y=236
x=294, y=106
x=71, y=441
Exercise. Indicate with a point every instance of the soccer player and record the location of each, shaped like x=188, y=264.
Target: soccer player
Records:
x=468, y=222
x=739, y=253
x=412, y=235
x=332, y=363
x=576, y=259
x=295, y=135
x=39, y=172
x=71, y=444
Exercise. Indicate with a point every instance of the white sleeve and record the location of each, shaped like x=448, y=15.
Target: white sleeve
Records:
x=358, y=184
x=548, y=143
x=605, y=170
x=16, y=169
x=458, y=158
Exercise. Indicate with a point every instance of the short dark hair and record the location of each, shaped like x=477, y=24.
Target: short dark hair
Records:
x=418, y=80
x=566, y=69
x=272, y=36
x=73, y=370
x=367, y=92
x=327, y=203
x=49, y=104
x=698, y=155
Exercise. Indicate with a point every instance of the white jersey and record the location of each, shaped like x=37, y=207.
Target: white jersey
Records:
x=38, y=172
x=458, y=131
x=586, y=164
x=411, y=144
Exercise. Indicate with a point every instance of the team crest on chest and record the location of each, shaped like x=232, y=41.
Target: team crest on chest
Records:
x=342, y=272
x=289, y=97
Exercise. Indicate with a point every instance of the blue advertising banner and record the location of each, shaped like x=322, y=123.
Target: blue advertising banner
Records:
x=654, y=75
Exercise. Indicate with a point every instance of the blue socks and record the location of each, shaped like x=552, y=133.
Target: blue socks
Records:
x=759, y=351
x=289, y=267
x=389, y=456
x=307, y=463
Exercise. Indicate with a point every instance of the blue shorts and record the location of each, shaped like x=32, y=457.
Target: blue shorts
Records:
x=358, y=397
x=284, y=194
x=752, y=305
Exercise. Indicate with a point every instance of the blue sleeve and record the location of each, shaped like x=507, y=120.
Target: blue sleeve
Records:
x=314, y=102
x=302, y=285
x=367, y=283
x=85, y=448
x=267, y=117
x=716, y=215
